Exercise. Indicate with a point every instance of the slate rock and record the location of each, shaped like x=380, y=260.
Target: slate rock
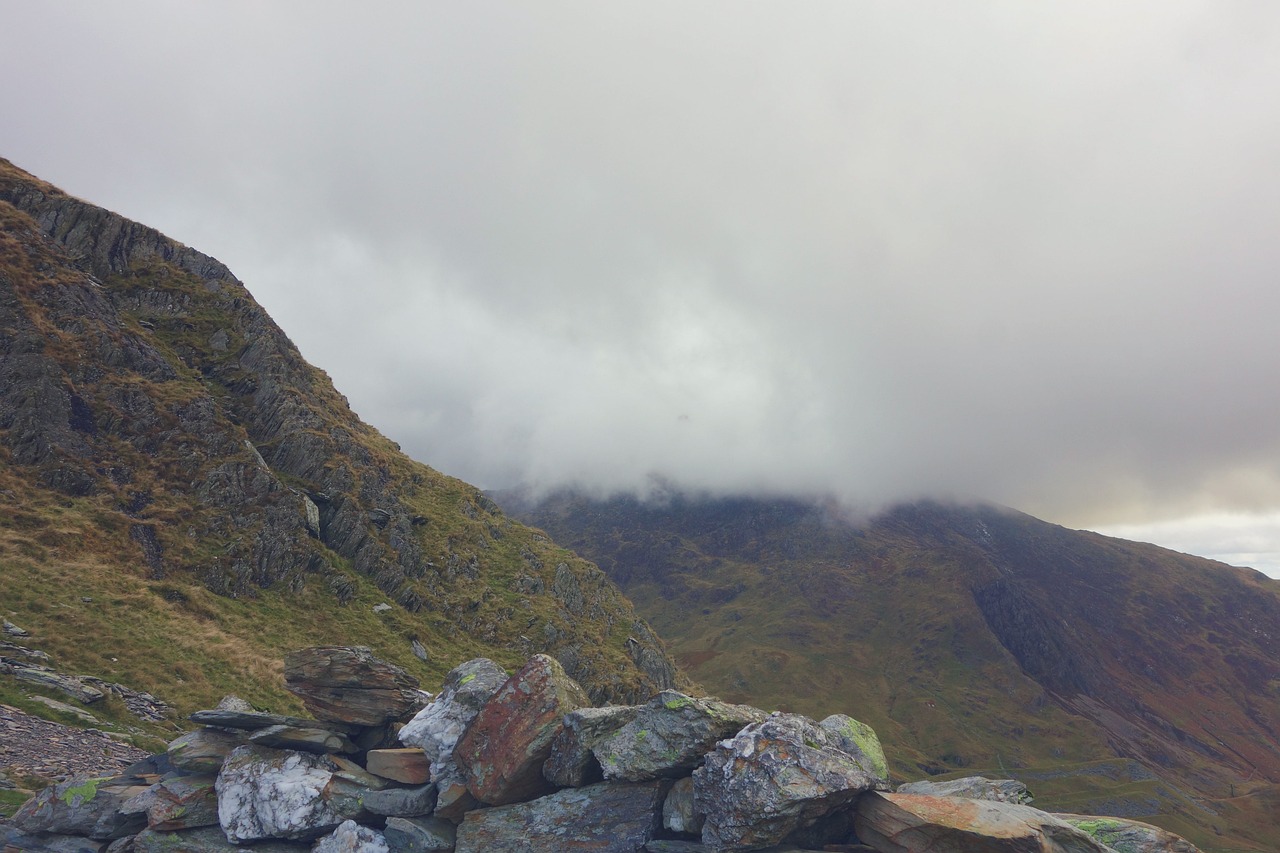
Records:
x=973, y=788
x=304, y=739
x=572, y=763
x=436, y=728
x=913, y=823
x=453, y=800
x=408, y=765
x=82, y=806
x=347, y=684
x=402, y=802
x=206, y=840
x=859, y=740
x=1129, y=836
x=203, y=750
x=669, y=736
x=351, y=837
x=268, y=793
x=771, y=779
x=180, y=802
x=12, y=838
x=231, y=702
x=420, y=835
x=254, y=720
x=502, y=752
x=609, y=817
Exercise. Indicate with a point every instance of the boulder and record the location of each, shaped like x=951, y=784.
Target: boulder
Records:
x=267, y=793
x=609, y=817
x=14, y=840
x=179, y=802
x=1129, y=836
x=402, y=802
x=408, y=765
x=351, y=837
x=203, y=750
x=571, y=763
x=420, y=835
x=207, y=840
x=773, y=778
x=859, y=740
x=913, y=823
x=973, y=788
x=349, y=685
x=436, y=728
x=501, y=753
x=669, y=736
x=82, y=806
x=679, y=811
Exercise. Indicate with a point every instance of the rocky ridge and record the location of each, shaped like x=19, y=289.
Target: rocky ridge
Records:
x=474, y=776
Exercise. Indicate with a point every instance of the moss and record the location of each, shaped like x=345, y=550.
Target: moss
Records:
x=865, y=737
x=677, y=704
x=466, y=679
x=74, y=795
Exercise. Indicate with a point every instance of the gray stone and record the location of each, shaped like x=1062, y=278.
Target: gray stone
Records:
x=420, y=835
x=81, y=806
x=12, y=838
x=912, y=823
x=610, y=817
x=571, y=763
x=305, y=739
x=206, y=840
x=13, y=630
x=234, y=703
x=771, y=779
x=43, y=676
x=268, y=793
x=180, y=802
x=859, y=740
x=973, y=788
x=254, y=720
x=436, y=728
x=402, y=802
x=203, y=750
x=679, y=810
x=347, y=684
x=351, y=837
x=669, y=736
x=1129, y=836
x=63, y=708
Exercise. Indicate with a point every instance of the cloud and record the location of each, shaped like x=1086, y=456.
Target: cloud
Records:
x=1022, y=252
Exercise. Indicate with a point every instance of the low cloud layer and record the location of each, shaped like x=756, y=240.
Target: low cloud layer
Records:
x=1023, y=251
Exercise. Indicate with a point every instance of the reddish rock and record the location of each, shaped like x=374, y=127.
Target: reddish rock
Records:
x=913, y=823
x=180, y=802
x=501, y=753
x=407, y=765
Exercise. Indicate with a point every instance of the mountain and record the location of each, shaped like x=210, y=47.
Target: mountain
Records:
x=178, y=484
x=1123, y=677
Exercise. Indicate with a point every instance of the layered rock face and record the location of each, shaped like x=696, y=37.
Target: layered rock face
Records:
x=140, y=379
x=765, y=781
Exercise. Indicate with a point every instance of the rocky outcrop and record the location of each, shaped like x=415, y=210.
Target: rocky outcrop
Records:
x=781, y=782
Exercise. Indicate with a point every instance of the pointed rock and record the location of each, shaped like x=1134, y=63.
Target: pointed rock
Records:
x=502, y=751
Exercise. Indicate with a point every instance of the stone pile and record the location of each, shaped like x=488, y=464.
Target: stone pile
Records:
x=525, y=763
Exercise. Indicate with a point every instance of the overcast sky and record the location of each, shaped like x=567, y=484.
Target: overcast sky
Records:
x=1023, y=251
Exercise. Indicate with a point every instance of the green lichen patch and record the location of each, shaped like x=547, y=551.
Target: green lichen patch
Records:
x=75, y=795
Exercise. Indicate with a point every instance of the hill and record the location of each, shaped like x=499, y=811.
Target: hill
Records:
x=1124, y=677
x=178, y=484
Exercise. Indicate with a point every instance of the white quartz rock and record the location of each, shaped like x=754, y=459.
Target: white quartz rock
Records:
x=274, y=793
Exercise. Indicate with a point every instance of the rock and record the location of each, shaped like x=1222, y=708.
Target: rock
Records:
x=419, y=835
x=13, y=649
x=679, y=811
x=381, y=608
x=419, y=651
x=13, y=630
x=502, y=751
x=407, y=765
x=234, y=703
x=205, y=840
x=436, y=728
x=81, y=806
x=860, y=741
x=453, y=800
x=912, y=823
x=348, y=769
x=268, y=793
x=1129, y=836
x=181, y=802
x=669, y=736
x=351, y=837
x=43, y=676
x=18, y=841
x=973, y=788
x=349, y=685
x=63, y=708
x=402, y=802
x=773, y=778
x=304, y=739
x=609, y=817
x=203, y=750
x=254, y=720
x=572, y=763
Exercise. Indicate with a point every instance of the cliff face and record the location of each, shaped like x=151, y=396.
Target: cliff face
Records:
x=151, y=411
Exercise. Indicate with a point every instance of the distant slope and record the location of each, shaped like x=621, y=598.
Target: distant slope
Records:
x=183, y=497
x=969, y=636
